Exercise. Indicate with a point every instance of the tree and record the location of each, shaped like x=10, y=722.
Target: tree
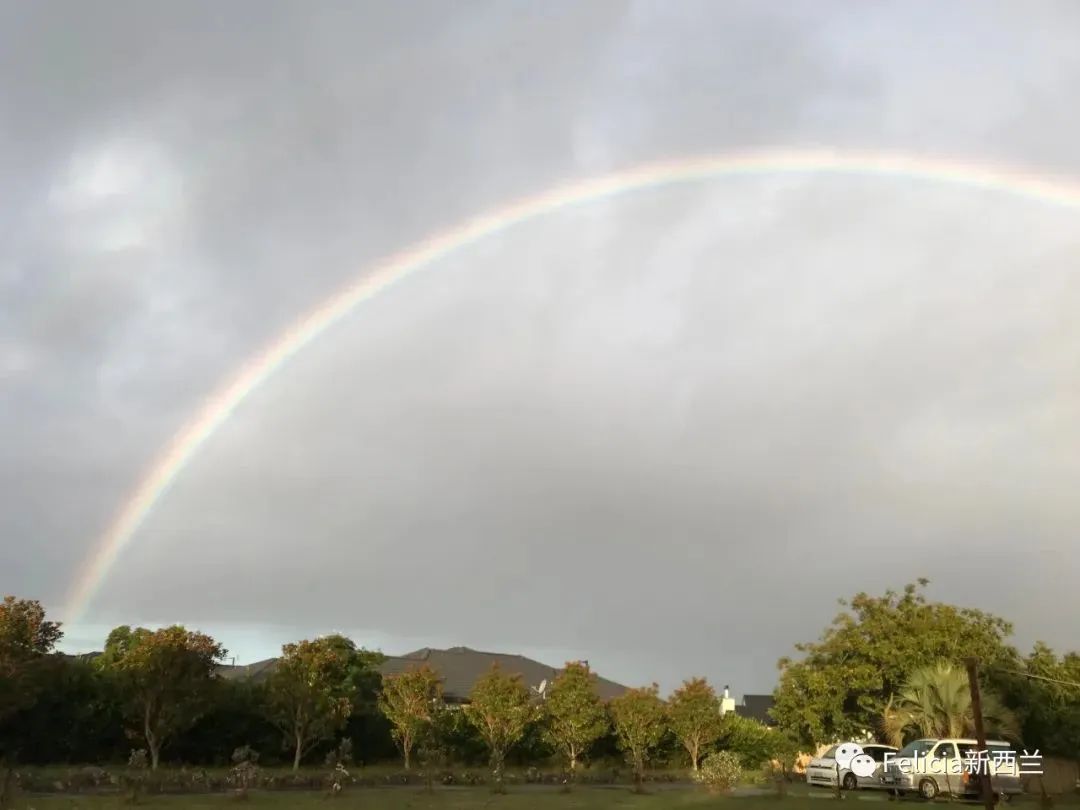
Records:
x=1045, y=693
x=753, y=742
x=26, y=636
x=409, y=701
x=936, y=702
x=26, y=639
x=844, y=680
x=574, y=712
x=640, y=723
x=694, y=715
x=167, y=678
x=310, y=692
x=500, y=708
x=73, y=696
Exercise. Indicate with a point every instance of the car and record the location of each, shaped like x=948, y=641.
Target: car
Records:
x=933, y=767
x=827, y=771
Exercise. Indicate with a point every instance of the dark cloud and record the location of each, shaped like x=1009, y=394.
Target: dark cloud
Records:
x=662, y=431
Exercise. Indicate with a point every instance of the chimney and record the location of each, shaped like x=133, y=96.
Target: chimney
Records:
x=727, y=702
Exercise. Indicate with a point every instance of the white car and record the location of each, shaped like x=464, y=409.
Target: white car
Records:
x=834, y=766
x=934, y=767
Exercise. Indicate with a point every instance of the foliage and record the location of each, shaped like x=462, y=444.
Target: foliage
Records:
x=936, y=702
x=500, y=707
x=310, y=692
x=409, y=701
x=720, y=771
x=245, y=771
x=640, y=720
x=167, y=678
x=337, y=779
x=235, y=716
x=1045, y=694
x=754, y=743
x=573, y=712
x=694, y=716
x=342, y=754
x=26, y=637
x=844, y=680
x=134, y=780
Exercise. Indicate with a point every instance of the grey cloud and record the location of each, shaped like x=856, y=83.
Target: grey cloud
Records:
x=665, y=430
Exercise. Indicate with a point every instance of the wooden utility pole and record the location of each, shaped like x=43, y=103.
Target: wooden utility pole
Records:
x=985, y=788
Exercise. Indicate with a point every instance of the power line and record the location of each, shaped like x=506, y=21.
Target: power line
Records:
x=1040, y=677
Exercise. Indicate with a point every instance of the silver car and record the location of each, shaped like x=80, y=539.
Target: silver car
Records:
x=824, y=770
x=936, y=767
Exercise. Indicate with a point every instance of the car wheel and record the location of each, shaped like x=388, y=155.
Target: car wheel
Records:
x=928, y=789
x=850, y=782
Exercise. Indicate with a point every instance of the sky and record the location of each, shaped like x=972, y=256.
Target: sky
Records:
x=664, y=431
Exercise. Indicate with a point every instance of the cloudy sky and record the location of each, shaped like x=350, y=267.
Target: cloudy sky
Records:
x=664, y=431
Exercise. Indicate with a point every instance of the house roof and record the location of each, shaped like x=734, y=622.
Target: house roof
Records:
x=756, y=707
x=459, y=667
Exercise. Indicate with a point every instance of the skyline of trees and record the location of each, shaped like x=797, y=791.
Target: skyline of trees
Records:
x=889, y=664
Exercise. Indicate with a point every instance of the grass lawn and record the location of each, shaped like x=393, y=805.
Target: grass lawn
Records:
x=522, y=798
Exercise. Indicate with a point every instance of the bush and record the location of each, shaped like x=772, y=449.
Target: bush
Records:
x=245, y=773
x=720, y=771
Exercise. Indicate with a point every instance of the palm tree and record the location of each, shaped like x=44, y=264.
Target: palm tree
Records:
x=936, y=702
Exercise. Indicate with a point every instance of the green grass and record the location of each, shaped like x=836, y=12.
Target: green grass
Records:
x=522, y=798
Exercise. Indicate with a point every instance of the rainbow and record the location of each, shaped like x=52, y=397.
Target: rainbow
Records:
x=222, y=403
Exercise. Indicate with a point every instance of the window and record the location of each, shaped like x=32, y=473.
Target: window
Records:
x=916, y=748
x=878, y=752
x=831, y=753
x=945, y=750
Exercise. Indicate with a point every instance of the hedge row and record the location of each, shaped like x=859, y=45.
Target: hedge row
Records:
x=101, y=780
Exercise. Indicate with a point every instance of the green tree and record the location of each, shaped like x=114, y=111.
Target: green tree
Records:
x=694, y=716
x=843, y=682
x=26, y=639
x=1045, y=693
x=573, y=712
x=310, y=692
x=936, y=702
x=754, y=743
x=410, y=701
x=167, y=678
x=74, y=696
x=640, y=719
x=500, y=708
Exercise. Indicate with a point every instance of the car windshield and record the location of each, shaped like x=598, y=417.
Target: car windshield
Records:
x=916, y=748
x=831, y=753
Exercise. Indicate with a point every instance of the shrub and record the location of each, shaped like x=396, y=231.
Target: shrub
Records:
x=337, y=780
x=720, y=771
x=245, y=772
x=135, y=779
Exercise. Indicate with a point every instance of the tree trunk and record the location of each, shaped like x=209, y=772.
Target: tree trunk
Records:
x=299, y=752
x=406, y=749
x=639, y=773
x=695, y=755
x=152, y=741
x=497, y=763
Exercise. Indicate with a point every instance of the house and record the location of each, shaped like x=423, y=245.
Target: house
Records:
x=756, y=707
x=459, y=667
